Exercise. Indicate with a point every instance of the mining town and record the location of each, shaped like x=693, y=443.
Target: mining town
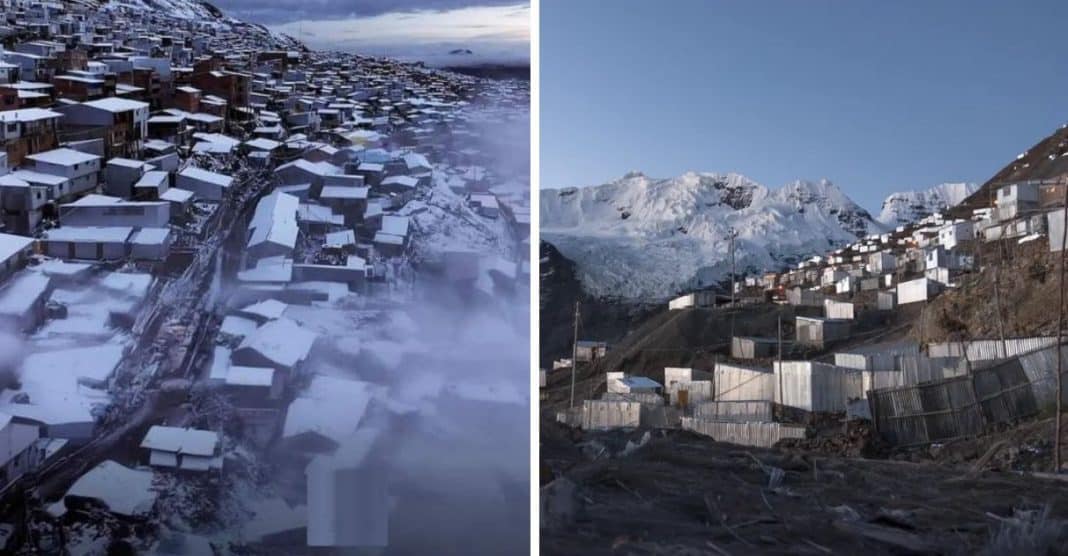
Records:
x=232, y=268
x=897, y=395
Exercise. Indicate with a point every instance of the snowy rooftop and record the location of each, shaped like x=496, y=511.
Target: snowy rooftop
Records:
x=250, y=376
x=182, y=441
x=282, y=342
x=151, y=236
x=21, y=294
x=268, y=309
x=332, y=407
x=116, y=104
x=91, y=234
x=396, y=225
x=176, y=195
x=11, y=245
x=63, y=157
x=234, y=325
x=123, y=490
x=343, y=192
x=28, y=115
x=155, y=178
x=207, y=176
x=275, y=221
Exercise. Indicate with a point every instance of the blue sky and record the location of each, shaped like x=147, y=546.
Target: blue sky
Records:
x=495, y=31
x=876, y=96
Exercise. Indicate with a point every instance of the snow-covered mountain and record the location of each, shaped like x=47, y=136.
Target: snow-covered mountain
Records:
x=645, y=239
x=910, y=206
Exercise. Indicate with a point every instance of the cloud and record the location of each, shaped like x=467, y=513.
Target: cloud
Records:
x=277, y=12
x=497, y=34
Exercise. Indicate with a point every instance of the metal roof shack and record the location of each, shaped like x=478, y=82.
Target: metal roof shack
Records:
x=185, y=449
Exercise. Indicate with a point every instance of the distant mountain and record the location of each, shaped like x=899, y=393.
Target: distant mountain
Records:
x=461, y=52
x=909, y=206
x=644, y=239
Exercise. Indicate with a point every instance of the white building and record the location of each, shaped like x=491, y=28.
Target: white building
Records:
x=80, y=170
x=208, y=186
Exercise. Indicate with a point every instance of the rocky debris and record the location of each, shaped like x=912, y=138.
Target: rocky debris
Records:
x=855, y=439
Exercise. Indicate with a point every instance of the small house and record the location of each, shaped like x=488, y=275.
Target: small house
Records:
x=208, y=186
x=750, y=347
x=914, y=291
x=589, y=351
x=183, y=449
x=816, y=387
x=818, y=332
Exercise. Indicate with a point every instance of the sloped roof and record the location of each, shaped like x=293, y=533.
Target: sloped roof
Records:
x=275, y=221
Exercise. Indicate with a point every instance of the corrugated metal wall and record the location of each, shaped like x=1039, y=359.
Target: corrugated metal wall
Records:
x=696, y=391
x=927, y=413
x=1041, y=370
x=987, y=350
x=838, y=309
x=644, y=398
x=604, y=414
x=734, y=411
x=763, y=435
x=966, y=405
x=736, y=383
x=816, y=386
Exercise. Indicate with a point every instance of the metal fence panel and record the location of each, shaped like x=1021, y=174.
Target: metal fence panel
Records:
x=763, y=435
x=604, y=414
x=736, y=411
x=736, y=383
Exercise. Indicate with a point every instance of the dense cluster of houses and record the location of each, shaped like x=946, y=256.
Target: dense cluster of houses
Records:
x=132, y=141
x=734, y=401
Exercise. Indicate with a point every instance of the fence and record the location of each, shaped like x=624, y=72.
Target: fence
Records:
x=763, y=435
x=986, y=350
x=734, y=411
x=601, y=414
x=968, y=405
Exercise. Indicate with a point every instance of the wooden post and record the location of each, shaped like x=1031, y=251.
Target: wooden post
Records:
x=574, y=354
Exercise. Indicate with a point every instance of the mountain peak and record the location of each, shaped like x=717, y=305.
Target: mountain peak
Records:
x=648, y=238
x=909, y=206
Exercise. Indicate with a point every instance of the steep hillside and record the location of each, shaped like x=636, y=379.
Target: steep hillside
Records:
x=602, y=319
x=645, y=239
x=1047, y=159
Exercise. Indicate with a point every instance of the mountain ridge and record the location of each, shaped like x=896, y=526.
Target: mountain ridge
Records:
x=640, y=238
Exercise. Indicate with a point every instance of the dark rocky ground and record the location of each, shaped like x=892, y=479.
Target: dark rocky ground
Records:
x=685, y=494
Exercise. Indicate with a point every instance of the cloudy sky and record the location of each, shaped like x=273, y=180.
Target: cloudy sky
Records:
x=496, y=31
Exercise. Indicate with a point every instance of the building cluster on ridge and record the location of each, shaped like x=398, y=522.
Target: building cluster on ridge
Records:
x=135, y=142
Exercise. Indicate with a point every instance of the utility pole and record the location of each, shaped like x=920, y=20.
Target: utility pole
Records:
x=1060, y=338
x=733, y=234
x=779, y=369
x=574, y=354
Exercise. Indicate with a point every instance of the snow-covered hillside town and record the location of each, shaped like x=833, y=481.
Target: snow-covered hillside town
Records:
x=831, y=359
x=231, y=268
x=930, y=347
